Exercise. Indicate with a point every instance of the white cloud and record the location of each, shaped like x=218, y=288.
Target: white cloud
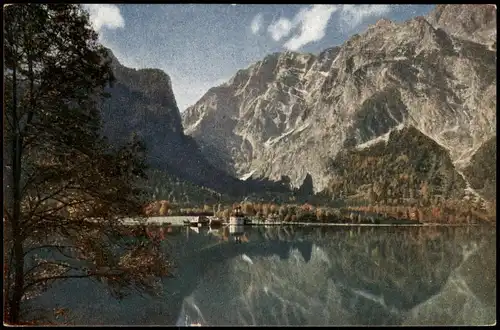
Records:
x=280, y=29
x=256, y=23
x=312, y=21
x=354, y=15
x=105, y=15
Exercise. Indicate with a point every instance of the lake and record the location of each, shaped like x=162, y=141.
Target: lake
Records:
x=307, y=276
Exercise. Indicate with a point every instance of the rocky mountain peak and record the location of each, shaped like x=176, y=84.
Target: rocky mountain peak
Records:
x=291, y=112
x=142, y=102
x=383, y=21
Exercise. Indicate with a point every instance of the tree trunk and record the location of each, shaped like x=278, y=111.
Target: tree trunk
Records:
x=15, y=303
x=17, y=240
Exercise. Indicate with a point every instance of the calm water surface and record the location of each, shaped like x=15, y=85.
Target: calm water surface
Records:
x=308, y=276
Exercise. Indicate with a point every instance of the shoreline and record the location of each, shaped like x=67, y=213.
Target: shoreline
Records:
x=363, y=224
x=162, y=221
x=307, y=224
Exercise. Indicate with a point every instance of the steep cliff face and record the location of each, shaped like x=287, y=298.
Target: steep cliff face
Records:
x=288, y=114
x=142, y=102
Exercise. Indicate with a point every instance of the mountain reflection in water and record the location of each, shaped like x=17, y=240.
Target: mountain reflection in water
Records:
x=308, y=276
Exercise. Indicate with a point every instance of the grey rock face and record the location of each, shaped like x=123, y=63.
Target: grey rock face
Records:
x=476, y=23
x=142, y=102
x=290, y=113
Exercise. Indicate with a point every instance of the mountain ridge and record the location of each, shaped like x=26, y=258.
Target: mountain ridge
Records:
x=290, y=112
x=142, y=102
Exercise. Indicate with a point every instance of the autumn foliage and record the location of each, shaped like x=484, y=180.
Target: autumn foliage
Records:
x=67, y=189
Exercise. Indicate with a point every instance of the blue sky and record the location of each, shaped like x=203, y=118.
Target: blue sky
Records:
x=203, y=45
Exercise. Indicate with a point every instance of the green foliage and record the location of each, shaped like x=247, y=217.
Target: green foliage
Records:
x=396, y=170
x=481, y=173
x=161, y=185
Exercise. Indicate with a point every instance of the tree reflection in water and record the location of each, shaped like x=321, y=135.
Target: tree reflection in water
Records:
x=312, y=276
